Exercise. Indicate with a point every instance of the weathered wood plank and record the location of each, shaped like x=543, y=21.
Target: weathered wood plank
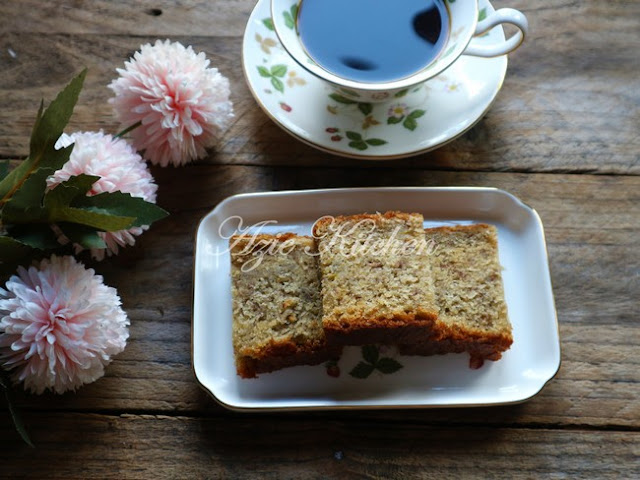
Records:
x=570, y=104
x=560, y=110
x=144, y=17
x=73, y=446
x=591, y=224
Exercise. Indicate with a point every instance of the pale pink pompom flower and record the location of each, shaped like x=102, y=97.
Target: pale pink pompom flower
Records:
x=60, y=325
x=182, y=104
x=119, y=167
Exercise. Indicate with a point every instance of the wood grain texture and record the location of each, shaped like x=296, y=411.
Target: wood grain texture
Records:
x=562, y=135
x=570, y=102
x=591, y=224
x=293, y=446
x=143, y=17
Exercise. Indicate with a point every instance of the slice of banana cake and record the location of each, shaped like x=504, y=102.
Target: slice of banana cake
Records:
x=469, y=294
x=376, y=280
x=277, y=308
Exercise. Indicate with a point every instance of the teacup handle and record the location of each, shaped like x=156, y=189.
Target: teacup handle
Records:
x=503, y=15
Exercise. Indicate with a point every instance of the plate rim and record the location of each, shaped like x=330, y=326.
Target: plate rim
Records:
x=365, y=406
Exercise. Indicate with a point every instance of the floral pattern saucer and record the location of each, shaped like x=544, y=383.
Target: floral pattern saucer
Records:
x=412, y=122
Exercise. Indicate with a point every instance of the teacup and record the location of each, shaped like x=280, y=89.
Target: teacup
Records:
x=459, y=35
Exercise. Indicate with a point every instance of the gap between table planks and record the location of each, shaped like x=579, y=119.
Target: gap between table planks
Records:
x=147, y=446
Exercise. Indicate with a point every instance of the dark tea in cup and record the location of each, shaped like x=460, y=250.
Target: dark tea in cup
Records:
x=373, y=40
x=372, y=50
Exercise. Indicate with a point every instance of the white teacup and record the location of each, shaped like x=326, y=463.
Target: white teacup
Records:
x=464, y=28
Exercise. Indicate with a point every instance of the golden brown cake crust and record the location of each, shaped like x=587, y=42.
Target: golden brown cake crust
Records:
x=478, y=345
x=277, y=309
x=467, y=263
x=463, y=309
x=319, y=227
x=276, y=355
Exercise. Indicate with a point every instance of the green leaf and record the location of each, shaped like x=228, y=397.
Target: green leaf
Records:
x=365, y=108
x=375, y=142
x=263, y=72
x=55, y=118
x=36, y=123
x=362, y=370
x=103, y=221
x=278, y=70
x=394, y=120
x=353, y=135
x=288, y=20
x=350, y=92
x=410, y=124
x=5, y=384
x=277, y=84
x=64, y=194
x=46, y=130
x=449, y=50
x=401, y=93
x=358, y=145
x=123, y=205
x=482, y=14
x=269, y=24
x=4, y=169
x=12, y=249
x=294, y=11
x=31, y=192
x=25, y=205
x=37, y=235
x=341, y=99
x=388, y=365
x=105, y=212
x=370, y=353
x=85, y=236
x=416, y=114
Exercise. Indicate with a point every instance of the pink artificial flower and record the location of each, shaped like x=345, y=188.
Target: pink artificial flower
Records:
x=182, y=104
x=119, y=167
x=59, y=325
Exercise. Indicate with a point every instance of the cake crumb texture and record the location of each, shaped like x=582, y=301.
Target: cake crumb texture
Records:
x=277, y=308
x=376, y=281
x=469, y=294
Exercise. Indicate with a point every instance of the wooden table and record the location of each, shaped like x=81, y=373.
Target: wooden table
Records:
x=563, y=135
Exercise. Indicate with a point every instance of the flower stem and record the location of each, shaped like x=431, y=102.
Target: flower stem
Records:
x=5, y=384
x=128, y=129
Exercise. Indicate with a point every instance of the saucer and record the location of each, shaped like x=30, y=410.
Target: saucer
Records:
x=412, y=122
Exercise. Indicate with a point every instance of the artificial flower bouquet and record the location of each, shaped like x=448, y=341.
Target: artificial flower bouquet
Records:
x=60, y=325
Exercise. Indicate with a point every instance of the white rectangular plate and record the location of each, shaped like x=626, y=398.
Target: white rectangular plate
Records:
x=438, y=381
